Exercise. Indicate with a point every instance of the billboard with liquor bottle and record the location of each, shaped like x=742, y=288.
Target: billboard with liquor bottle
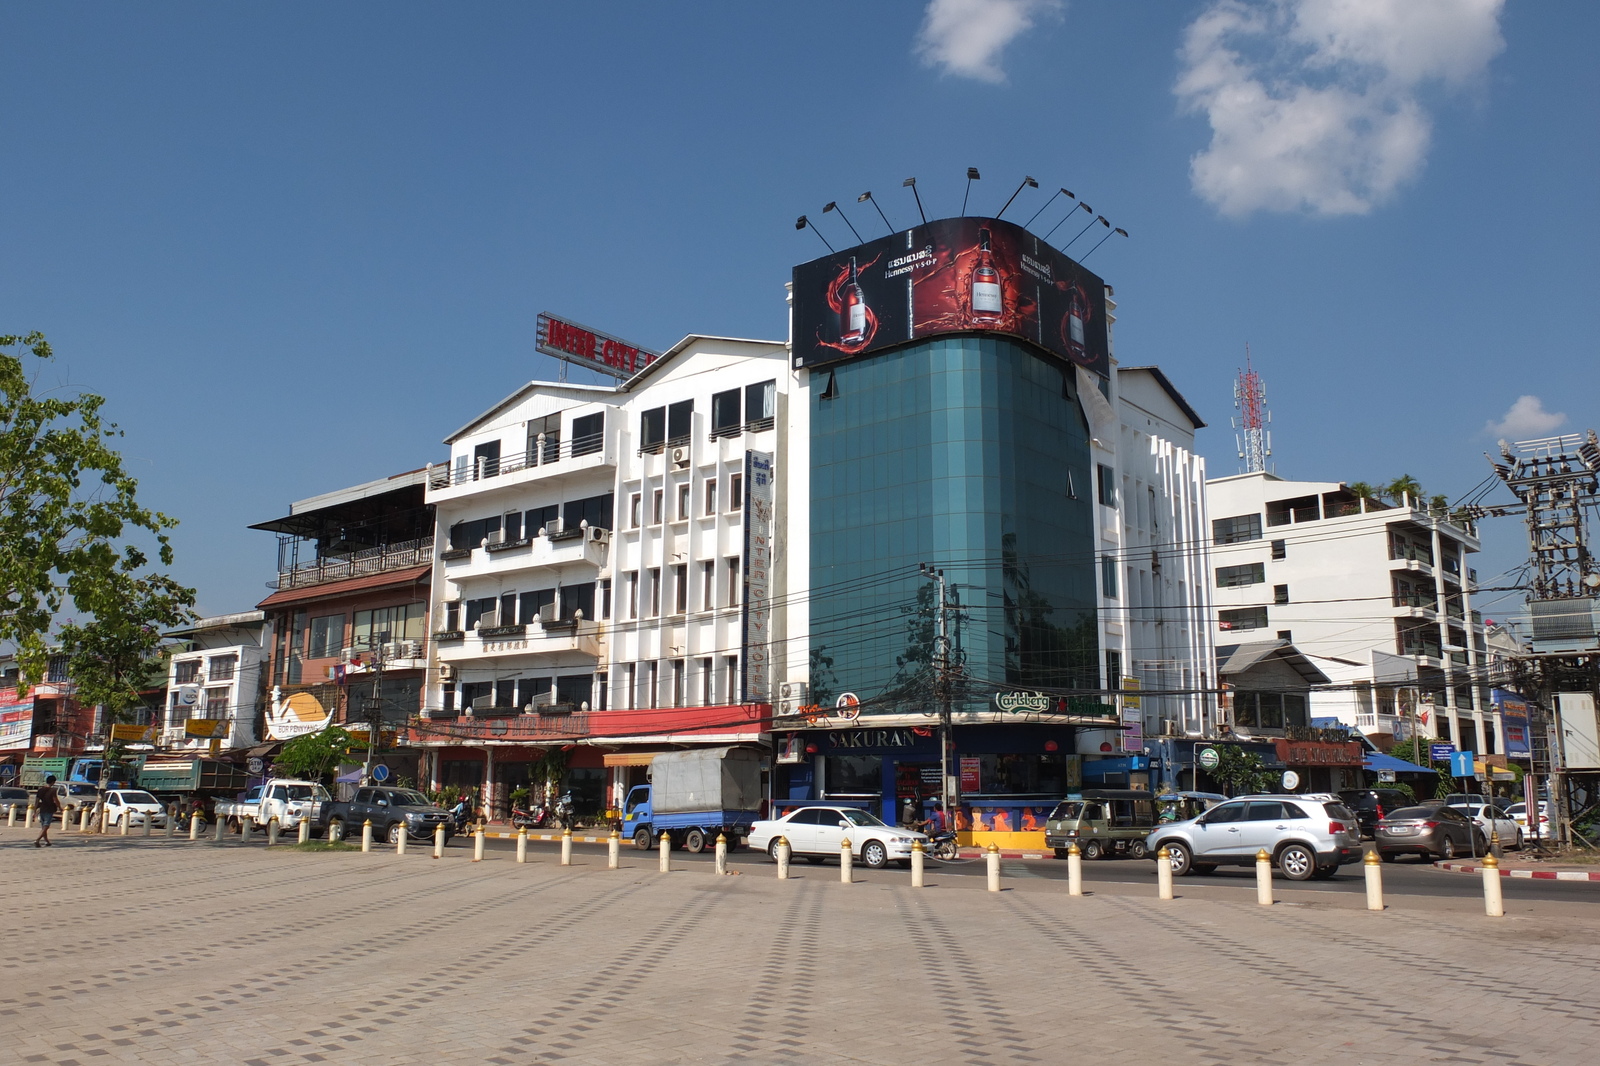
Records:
x=955, y=275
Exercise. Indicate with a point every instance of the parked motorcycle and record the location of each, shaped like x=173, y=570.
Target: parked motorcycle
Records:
x=564, y=810
x=942, y=845
x=538, y=818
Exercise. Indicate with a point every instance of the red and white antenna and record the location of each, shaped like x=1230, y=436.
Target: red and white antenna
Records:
x=1253, y=437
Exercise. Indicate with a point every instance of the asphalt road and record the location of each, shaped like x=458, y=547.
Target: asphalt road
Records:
x=1408, y=877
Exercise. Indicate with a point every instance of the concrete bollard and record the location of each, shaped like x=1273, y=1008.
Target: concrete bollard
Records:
x=993, y=858
x=401, y=841
x=784, y=854
x=305, y=830
x=566, y=847
x=172, y=820
x=27, y=821
x=614, y=850
x=11, y=816
x=272, y=832
x=1163, y=873
x=722, y=854
x=1372, y=866
x=1074, y=871
x=105, y=819
x=222, y=827
x=438, y=841
x=84, y=814
x=666, y=853
x=847, y=859
x=477, y=844
x=366, y=835
x=194, y=826
x=918, y=853
x=246, y=824
x=1263, y=878
x=126, y=822
x=522, y=844
x=149, y=818
x=1494, y=904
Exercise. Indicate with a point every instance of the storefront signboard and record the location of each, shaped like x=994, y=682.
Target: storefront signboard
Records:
x=1318, y=753
x=1209, y=758
x=971, y=774
x=758, y=530
x=1441, y=752
x=1022, y=701
x=16, y=720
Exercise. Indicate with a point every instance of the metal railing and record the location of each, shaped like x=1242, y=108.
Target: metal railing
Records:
x=542, y=452
x=357, y=564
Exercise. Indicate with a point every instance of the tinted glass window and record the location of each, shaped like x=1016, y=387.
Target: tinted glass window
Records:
x=1265, y=811
x=1293, y=810
x=1339, y=810
x=805, y=817
x=363, y=795
x=1412, y=812
x=1227, y=812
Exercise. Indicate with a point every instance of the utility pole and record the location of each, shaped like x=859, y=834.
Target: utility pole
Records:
x=946, y=670
x=374, y=706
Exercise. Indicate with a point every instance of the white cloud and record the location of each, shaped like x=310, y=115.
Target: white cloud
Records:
x=966, y=37
x=1526, y=418
x=1313, y=104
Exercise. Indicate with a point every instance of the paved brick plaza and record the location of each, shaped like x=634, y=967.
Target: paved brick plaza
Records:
x=157, y=951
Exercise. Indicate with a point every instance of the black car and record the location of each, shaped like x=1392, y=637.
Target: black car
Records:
x=392, y=811
x=1371, y=804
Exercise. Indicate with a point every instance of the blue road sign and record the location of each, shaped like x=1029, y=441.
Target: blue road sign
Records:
x=1461, y=764
x=380, y=773
x=1441, y=752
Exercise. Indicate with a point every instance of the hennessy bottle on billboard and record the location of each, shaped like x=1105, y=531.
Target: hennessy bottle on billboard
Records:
x=1077, y=311
x=852, y=309
x=986, y=305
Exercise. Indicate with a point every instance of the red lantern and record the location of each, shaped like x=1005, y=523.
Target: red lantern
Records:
x=1050, y=745
x=811, y=749
x=1106, y=746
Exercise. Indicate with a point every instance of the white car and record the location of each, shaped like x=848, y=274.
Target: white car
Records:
x=816, y=833
x=138, y=804
x=1492, y=819
x=1518, y=812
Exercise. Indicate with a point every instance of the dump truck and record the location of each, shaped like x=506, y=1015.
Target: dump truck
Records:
x=694, y=795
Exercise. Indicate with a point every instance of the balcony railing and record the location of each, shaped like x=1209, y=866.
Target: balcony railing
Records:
x=357, y=564
x=542, y=452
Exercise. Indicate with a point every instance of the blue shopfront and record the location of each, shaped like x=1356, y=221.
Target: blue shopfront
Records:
x=1008, y=776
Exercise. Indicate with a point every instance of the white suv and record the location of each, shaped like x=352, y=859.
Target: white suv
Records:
x=1307, y=836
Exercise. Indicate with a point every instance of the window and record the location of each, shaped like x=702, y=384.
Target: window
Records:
x=390, y=624
x=652, y=694
x=683, y=502
x=472, y=534
x=1243, y=618
x=678, y=693
x=655, y=591
x=486, y=459
x=680, y=588
x=327, y=637
x=708, y=584
x=653, y=429
x=1108, y=576
x=574, y=688
x=447, y=697
x=605, y=603
x=588, y=433
x=452, y=616
x=711, y=495
x=680, y=422
x=481, y=610
x=735, y=492
x=512, y=524
x=1107, y=481
x=1299, y=509
x=1280, y=594
x=1285, y=634
x=217, y=702
x=473, y=691
x=658, y=507
x=533, y=692
x=1236, y=530
x=1280, y=549
x=575, y=598
x=1230, y=577
x=632, y=589
x=1113, y=670
x=602, y=691
x=760, y=404
x=536, y=605
x=735, y=587
x=726, y=419
x=540, y=520
x=595, y=510
x=635, y=510
x=185, y=672
x=630, y=686
x=222, y=667
x=707, y=679
x=730, y=666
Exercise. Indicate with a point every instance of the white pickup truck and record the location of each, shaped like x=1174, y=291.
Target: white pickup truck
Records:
x=285, y=799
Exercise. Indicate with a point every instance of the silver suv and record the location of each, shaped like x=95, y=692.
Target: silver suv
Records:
x=1307, y=836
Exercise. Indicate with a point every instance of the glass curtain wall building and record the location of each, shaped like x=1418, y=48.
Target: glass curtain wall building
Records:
x=970, y=453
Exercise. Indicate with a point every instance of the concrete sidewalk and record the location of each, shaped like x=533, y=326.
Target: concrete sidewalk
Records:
x=154, y=950
x=1529, y=868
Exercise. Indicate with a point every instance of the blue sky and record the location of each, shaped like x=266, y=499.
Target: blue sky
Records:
x=296, y=244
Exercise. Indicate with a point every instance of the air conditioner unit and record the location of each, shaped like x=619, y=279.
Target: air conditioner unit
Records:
x=793, y=752
x=487, y=620
x=547, y=613
x=447, y=672
x=598, y=534
x=794, y=692
x=497, y=536
x=483, y=703
x=680, y=458
x=402, y=649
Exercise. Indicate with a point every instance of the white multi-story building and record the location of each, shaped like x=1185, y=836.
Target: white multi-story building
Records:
x=217, y=678
x=1379, y=597
x=593, y=588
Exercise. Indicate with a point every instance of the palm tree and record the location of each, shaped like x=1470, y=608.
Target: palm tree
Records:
x=1403, y=486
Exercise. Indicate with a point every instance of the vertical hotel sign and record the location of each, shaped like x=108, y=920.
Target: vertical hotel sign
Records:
x=16, y=720
x=758, y=524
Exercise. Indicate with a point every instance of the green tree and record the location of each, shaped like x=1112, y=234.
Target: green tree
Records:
x=69, y=514
x=1403, y=486
x=315, y=755
x=1362, y=490
x=1416, y=751
x=1240, y=770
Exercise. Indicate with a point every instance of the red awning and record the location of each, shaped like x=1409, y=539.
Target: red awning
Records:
x=332, y=589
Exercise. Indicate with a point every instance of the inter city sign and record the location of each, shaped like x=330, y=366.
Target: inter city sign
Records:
x=589, y=347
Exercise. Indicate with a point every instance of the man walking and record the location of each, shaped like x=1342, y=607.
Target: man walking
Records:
x=48, y=804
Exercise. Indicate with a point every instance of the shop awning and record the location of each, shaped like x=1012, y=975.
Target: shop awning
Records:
x=1377, y=761
x=628, y=758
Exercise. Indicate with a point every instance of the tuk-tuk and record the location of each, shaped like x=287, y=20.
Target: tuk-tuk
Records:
x=1103, y=822
x=1182, y=806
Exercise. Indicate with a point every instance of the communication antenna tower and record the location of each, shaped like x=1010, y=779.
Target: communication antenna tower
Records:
x=1253, y=437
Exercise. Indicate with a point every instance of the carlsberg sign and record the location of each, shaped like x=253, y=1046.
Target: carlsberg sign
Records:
x=1022, y=701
